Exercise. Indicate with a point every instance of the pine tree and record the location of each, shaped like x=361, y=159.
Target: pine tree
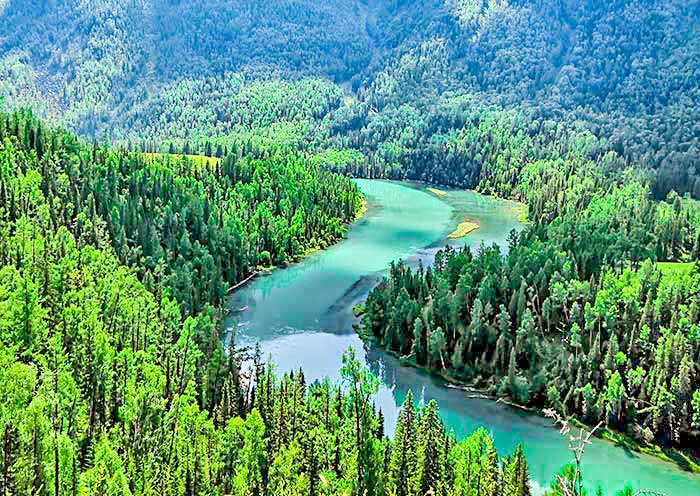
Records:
x=516, y=479
x=429, y=475
x=403, y=454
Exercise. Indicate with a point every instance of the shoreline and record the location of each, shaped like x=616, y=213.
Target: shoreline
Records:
x=520, y=207
x=450, y=382
x=674, y=456
x=678, y=457
x=360, y=213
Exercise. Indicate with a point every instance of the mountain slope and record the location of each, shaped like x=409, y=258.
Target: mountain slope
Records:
x=627, y=70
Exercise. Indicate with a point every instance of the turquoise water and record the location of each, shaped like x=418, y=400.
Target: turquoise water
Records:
x=302, y=317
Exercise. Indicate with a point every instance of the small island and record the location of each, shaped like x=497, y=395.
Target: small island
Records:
x=463, y=229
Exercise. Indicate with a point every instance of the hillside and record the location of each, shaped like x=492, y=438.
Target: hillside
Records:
x=627, y=71
x=172, y=150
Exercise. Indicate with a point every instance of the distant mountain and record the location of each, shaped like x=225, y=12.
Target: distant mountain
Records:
x=626, y=70
x=91, y=56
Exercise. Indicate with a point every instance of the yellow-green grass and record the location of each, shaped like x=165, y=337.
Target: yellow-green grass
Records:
x=672, y=268
x=199, y=160
x=463, y=229
x=437, y=192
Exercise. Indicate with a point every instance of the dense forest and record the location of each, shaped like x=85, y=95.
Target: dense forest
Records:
x=112, y=378
x=577, y=315
x=195, y=226
x=398, y=81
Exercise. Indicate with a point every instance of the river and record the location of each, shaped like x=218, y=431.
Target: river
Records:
x=302, y=317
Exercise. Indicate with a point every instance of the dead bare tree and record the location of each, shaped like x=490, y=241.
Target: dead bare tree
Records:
x=577, y=445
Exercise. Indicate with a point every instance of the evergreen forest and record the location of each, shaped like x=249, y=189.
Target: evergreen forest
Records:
x=158, y=155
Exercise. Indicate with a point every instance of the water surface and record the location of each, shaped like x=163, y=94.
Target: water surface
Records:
x=302, y=317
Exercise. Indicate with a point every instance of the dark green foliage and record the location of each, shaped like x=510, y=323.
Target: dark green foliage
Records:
x=621, y=70
x=576, y=315
x=99, y=58
x=194, y=226
x=431, y=80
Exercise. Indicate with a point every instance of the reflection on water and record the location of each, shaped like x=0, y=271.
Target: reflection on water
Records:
x=302, y=317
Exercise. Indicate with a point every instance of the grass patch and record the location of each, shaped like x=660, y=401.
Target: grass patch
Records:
x=199, y=160
x=523, y=218
x=463, y=229
x=672, y=268
x=437, y=192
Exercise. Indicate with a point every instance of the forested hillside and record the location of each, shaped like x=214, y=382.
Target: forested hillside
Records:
x=113, y=382
x=627, y=71
x=624, y=70
x=91, y=57
x=577, y=316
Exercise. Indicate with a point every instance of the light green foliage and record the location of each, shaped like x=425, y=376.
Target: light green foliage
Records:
x=614, y=397
x=113, y=378
x=472, y=461
x=431, y=464
x=696, y=410
x=436, y=347
x=106, y=477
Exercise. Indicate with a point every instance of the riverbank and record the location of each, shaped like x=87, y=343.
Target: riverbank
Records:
x=360, y=212
x=520, y=208
x=450, y=381
x=674, y=456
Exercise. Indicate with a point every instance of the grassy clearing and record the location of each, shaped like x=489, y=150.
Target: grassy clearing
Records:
x=199, y=160
x=463, y=229
x=437, y=192
x=672, y=268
